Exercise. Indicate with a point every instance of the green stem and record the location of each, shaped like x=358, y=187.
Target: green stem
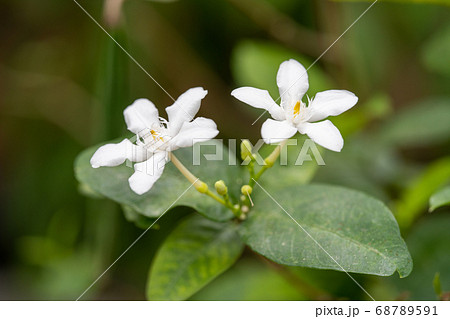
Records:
x=236, y=211
x=251, y=169
x=268, y=163
x=217, y=198
x=198, y=184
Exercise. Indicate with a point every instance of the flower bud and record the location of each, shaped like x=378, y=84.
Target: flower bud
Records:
x=246, y=190
x=246, y=150
x=201, y=187
x=221, y=188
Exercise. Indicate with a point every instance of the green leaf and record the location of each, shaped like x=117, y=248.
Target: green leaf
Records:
x=413, y=201
x=422, y=124
x=435, y=50
x=112, y=182
x=250, y=280
x=357, y=231
x=365, y=171
x=139, y=220
x=196, y=252
x=428, y=244
x=440, y=198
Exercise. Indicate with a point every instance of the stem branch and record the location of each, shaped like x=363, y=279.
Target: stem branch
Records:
x=269, y=161
x=198, y=184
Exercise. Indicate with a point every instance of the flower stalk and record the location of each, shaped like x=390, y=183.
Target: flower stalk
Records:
x=202, y=187
x=268, y=163
x=199, y=185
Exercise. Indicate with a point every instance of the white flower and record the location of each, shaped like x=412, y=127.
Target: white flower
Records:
x=156, y=137
x=294, y=115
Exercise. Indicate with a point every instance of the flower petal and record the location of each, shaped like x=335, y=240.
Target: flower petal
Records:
x=323, y=133
x=260, y=99
x=199, y=130
x=184, y=109
x=147, y=173
x=292, y=80
x=276, y=131
x=141, y=115
x=116, y=154
x=331, y=103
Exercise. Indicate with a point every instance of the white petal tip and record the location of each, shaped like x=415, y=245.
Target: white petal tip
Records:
x=269, y=141
x=136, y=186
x=138, y=192
x=236, y=91
x=293, y=62
x=337, y=148
x=142, y=99
x=201, y=91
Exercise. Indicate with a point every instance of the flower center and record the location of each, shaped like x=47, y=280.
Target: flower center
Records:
x=156, y=136
x=297, y=109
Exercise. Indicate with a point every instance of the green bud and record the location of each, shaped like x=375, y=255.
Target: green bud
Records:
x=246, y=190
x=246, y=150
x=201, y=187
x=221, y=188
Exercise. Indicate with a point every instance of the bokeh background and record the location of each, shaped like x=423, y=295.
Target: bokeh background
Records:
x=64, y=84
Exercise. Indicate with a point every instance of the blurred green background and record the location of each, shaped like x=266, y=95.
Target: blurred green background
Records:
x=64, y=84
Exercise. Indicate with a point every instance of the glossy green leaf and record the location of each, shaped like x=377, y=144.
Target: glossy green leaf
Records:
x=428, y=244
x=170, y=190
x=422, y=124
x=357, y=233
x=366, y=171
x=196, y=252
x=440, y=199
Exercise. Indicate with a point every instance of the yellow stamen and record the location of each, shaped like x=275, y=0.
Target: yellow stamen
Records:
x=297, y=108
x=155, y=136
